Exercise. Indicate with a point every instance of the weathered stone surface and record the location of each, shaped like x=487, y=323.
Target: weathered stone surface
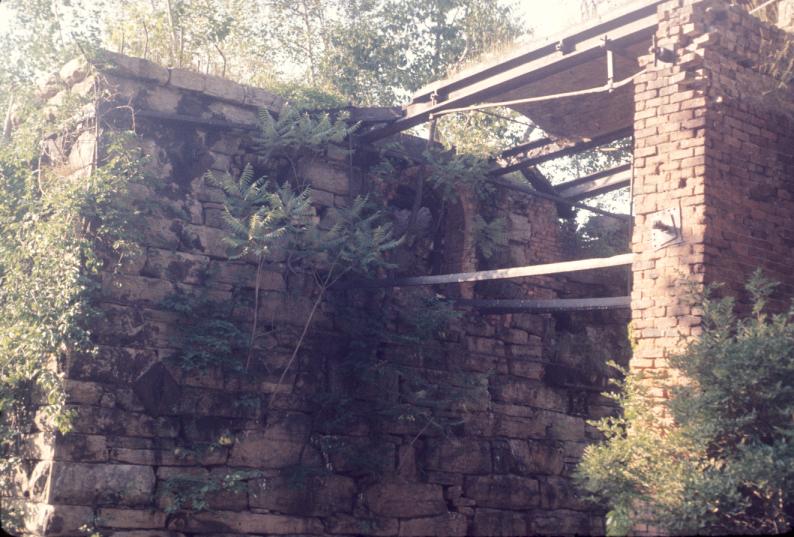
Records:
x=561, y=523
x=528, y=457
x=114, y=365
x=323, y=176
x=405, y=500
x=313, y=496
x=96, y=420
x=529, y=393
x=458, y=455
x=561, y=493
x=492, y=523
x=451, y=524
x=256, y=523
x=347, y=524
x=111, y=517
x=125, y=66
x=46, y=519
x=503, y=491
x=129, y=289
x=279, y=445
x=157, y=390
x=102, y=484
x=175, y=266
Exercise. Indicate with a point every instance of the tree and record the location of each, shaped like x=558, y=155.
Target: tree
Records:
x=725, y=463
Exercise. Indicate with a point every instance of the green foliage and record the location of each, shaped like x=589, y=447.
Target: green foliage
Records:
x=490, y=237
x=207, y=337
x=383, y=380
x=190, y=492
x=56, y=234
x=598, y=236
x=448, y=170
x=297, y=133
x=724, y=461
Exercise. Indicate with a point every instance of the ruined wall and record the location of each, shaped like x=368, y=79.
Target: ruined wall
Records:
x=144, y=425
x=713, y=139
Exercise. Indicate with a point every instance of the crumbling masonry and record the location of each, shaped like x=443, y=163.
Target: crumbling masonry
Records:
x=713, y=162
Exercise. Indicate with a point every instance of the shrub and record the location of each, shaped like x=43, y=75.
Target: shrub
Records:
x=717, y=457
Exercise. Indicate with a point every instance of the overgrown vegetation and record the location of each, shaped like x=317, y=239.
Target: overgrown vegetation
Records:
x=717, y=457
x=57, y=233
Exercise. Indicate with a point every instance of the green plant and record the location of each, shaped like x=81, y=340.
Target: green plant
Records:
x=190, y=492
x=207, y=337
x=490, y=237
x=717, y=458
x=56, y=234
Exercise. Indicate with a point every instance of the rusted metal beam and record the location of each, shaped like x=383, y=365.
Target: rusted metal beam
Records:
x=596, y=184
x=507, y=273
x=557, y=150
x=546, y=306
x=510, y=185
x=636, y=25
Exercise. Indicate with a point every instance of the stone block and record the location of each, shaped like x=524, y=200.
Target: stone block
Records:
x=450, y=524
x=163, y=99
x=175, y=266
x=503, y=491
x=224, y=89
x=187, y=80
x=492, y=523
x=128, y=67
x=561, y=493
x=349, y=525
x=323, y=176
x=405, y=500
x=130, y=289
x=112, y=421
x=157, y=390
x=468, y=456
x=100, y=484
x=74, y=71
x=560, y=522
x=527, y=392
x=217, y=522
x=112, y=517
x=262, y=449
x=112, y=365
x=235, y=114
x=312, y=496
x=528, y=457
x=46, y=520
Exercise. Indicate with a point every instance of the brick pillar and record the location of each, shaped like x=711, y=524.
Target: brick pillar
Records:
x=713, y=150
x=669, y=175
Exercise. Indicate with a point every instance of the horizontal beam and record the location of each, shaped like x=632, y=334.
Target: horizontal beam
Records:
x=596, y=184
x=508, y=273
x=546, y=306
x=510, y=185
x=636, y=26
x=557, y=151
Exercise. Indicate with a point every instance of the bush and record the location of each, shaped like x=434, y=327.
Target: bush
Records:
x=717, y=457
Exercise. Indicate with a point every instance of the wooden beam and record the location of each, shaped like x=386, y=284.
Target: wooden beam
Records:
x=561, y=149
x=541, y=184
x=638, y=25
x=546, y=306
x=508, y=273
x=596, y=184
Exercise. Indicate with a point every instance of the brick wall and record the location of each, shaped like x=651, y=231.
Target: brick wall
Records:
x=143, y=422
x=713, y=138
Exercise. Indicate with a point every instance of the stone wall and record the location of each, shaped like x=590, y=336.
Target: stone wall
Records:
x=713, y=138
x=144, y=426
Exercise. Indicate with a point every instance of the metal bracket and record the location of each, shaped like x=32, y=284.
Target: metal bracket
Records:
x=565, y=46
x=666, y=228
